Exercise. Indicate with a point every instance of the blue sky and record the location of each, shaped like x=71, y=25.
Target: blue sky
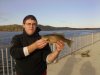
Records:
x=60, y=13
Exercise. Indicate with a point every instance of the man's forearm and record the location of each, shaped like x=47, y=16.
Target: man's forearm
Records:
x=31, y=48
x=52, y=56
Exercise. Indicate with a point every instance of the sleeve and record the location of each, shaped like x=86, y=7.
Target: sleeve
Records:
x=16, y=49
x=46, y=51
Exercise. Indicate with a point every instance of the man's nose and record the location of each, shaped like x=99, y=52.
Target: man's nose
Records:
x=31, y=25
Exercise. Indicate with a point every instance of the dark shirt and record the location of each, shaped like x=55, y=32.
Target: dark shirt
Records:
x=33, y=64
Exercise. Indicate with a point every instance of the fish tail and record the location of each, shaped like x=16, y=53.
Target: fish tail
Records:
x=69, y=42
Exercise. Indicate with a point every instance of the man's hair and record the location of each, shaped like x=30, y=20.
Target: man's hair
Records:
x=29, y=17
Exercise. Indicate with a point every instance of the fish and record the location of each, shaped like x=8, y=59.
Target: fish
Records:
x=53, y=38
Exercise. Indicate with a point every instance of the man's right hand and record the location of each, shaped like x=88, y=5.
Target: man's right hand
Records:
x=39, y=44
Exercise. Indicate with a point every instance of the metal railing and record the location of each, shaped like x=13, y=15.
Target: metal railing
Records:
x=6, y=62
x=7, y=66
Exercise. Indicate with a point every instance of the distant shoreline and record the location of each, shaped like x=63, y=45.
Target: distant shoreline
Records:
x=18, y=28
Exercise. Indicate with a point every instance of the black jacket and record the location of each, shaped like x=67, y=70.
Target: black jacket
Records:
x=35, y=63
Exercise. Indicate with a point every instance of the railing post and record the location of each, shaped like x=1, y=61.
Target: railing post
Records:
x=71, y=46
x=3, y=61
x=92, y=38
x=7, y=61
x=11, y=65
x=53, y=50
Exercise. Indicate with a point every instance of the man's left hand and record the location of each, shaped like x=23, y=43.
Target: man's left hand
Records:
x=59, y=45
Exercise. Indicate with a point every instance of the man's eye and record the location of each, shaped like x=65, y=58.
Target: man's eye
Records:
x=29, y=24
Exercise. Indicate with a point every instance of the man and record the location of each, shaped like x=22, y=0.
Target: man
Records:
x=30, y=51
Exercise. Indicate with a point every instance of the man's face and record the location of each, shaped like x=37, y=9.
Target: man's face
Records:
x=30, y=26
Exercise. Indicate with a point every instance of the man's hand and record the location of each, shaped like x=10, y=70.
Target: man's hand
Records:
x=52, y=56
x=40, y=43
x=59, y=46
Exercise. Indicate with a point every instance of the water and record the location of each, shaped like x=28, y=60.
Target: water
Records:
x=5, y=37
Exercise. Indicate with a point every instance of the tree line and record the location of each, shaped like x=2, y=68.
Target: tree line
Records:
x=14, y=27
